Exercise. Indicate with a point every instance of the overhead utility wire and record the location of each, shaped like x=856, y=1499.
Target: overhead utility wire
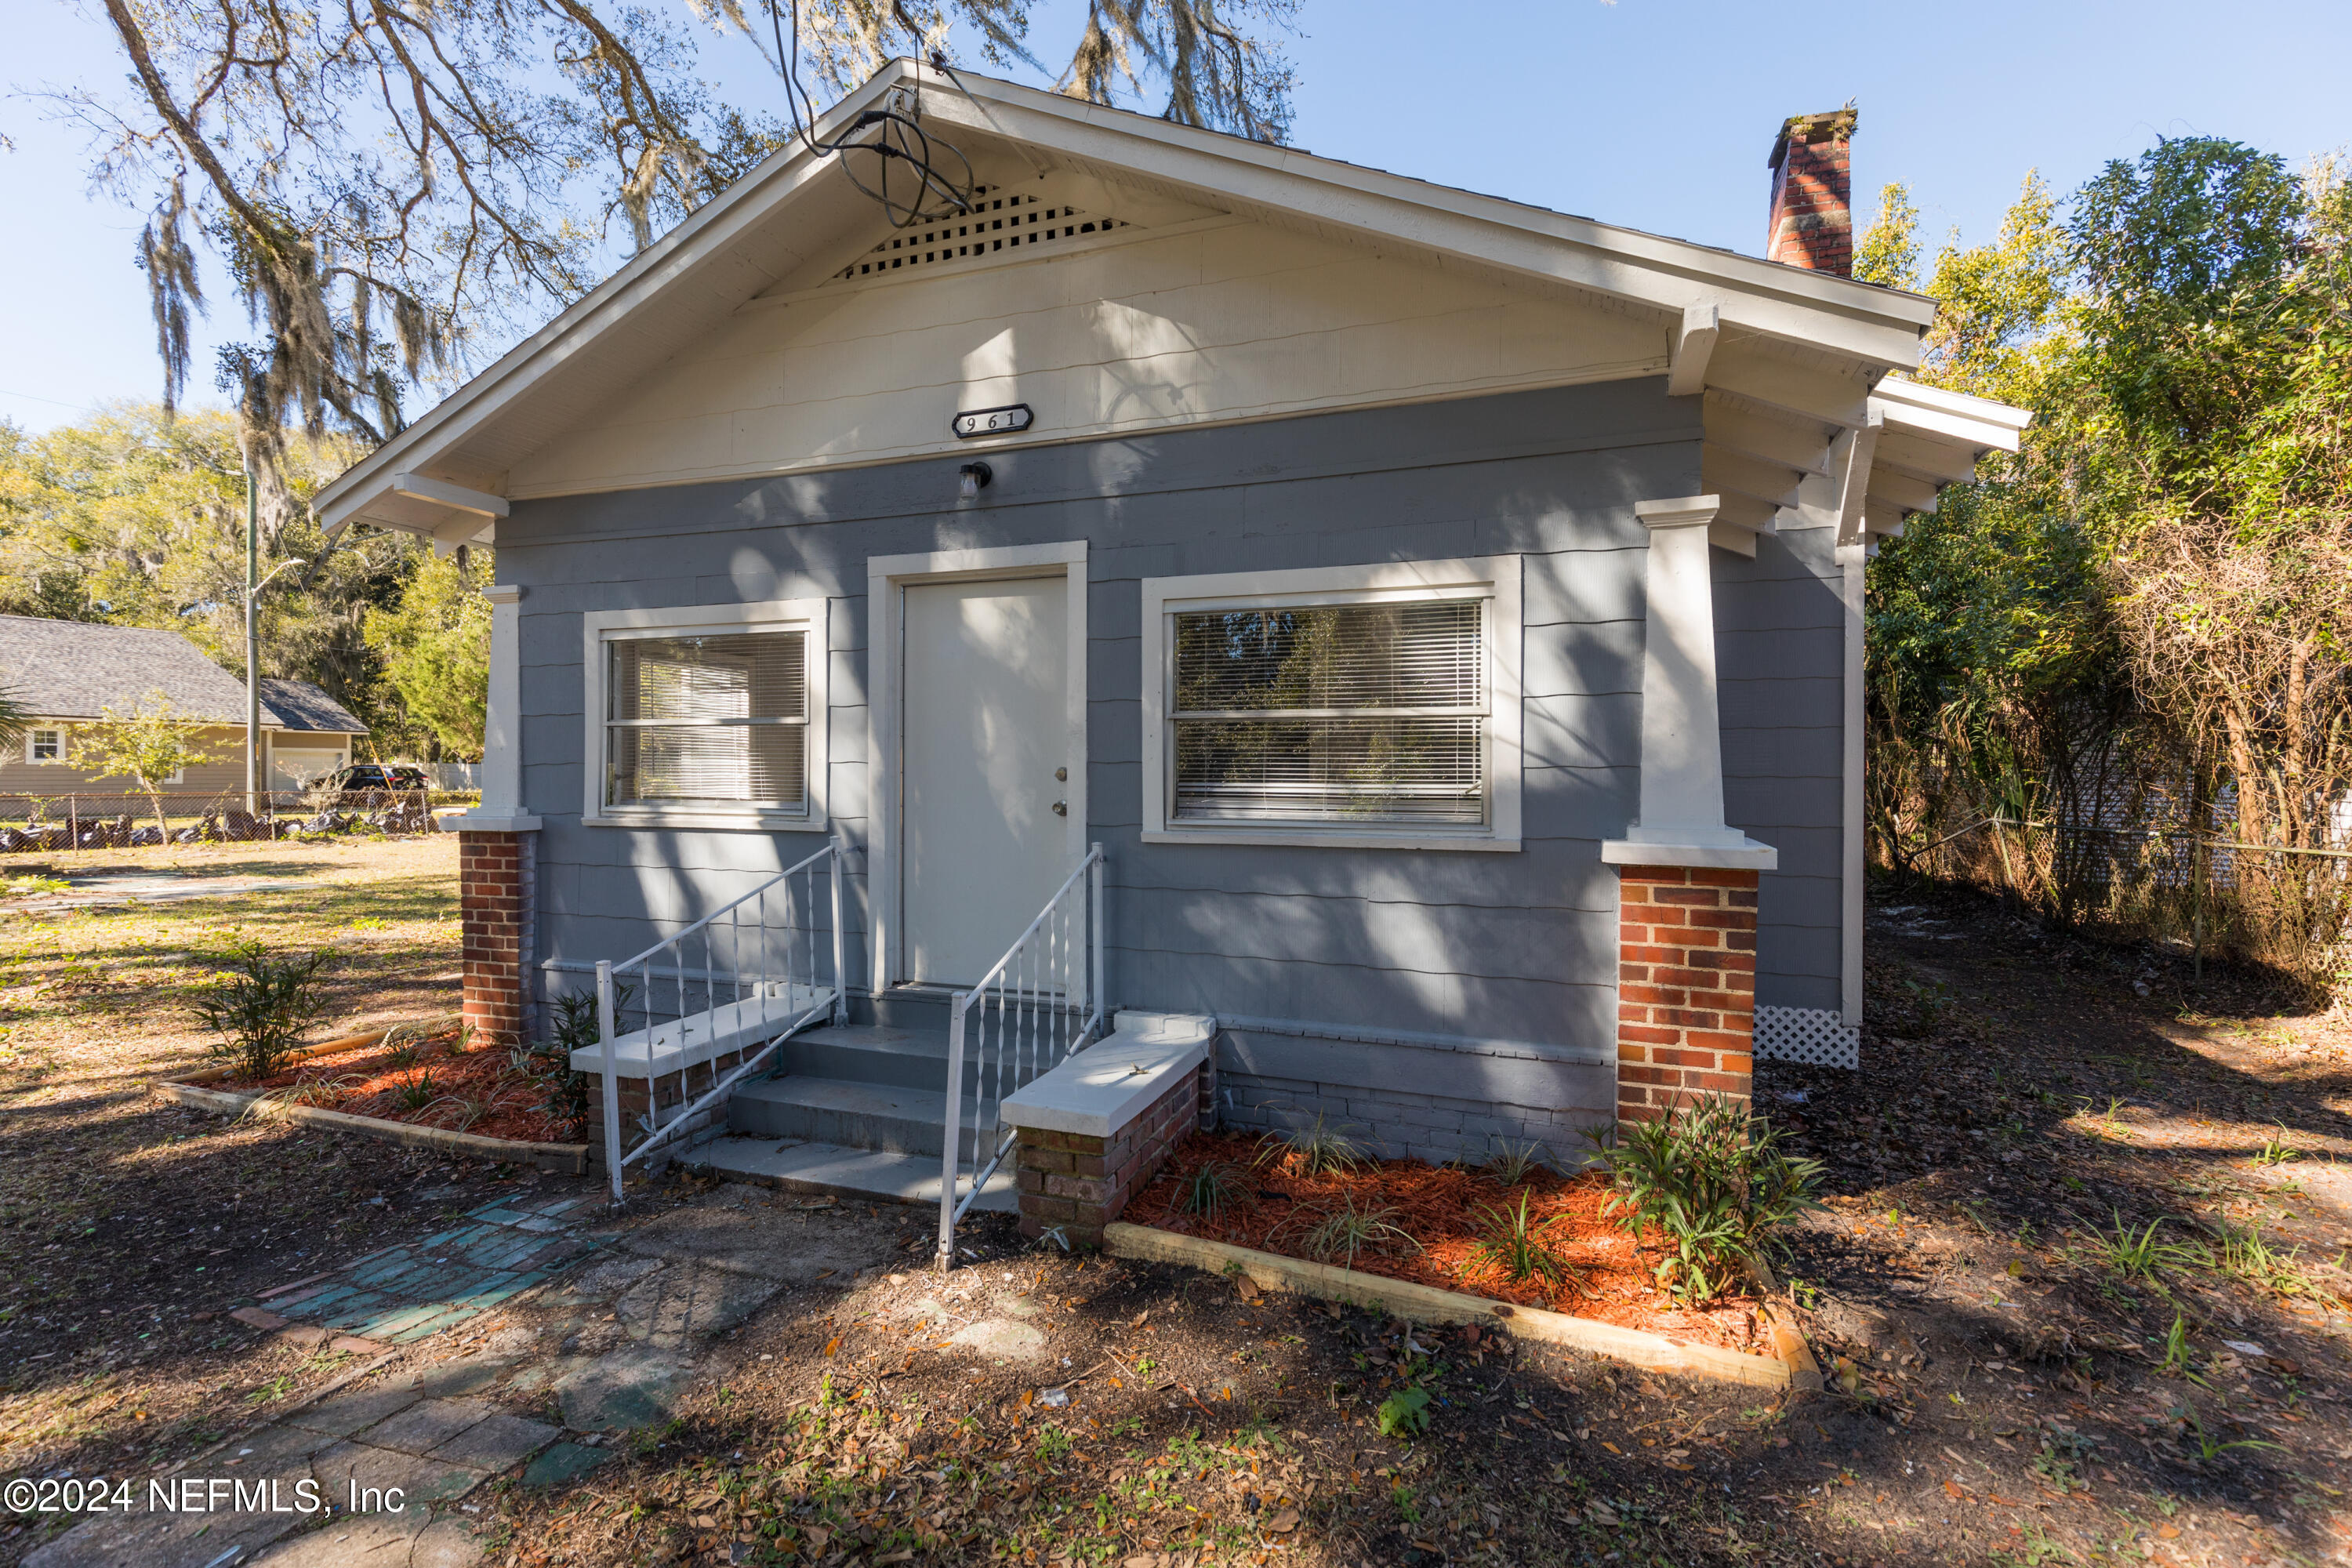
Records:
x=936, y=196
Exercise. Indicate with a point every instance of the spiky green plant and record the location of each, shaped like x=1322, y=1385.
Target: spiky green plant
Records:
x=1345, y=1231
x=1317, y=1151
x=1216, y=1188
x=1713, y=1183
x=418, y=1091
x=1512, y=1164
x=1514, y=1244
x=2138, y=1255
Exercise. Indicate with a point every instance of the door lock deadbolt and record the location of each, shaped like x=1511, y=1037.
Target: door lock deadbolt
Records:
x=1061, y=775
x=1061, y=808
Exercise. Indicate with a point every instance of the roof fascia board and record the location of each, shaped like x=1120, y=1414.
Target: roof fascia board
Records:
x=607, y=307
x=1880, y=327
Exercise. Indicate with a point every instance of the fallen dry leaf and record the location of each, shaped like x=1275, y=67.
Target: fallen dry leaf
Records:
x=1282, y=1524
x=833, y=1345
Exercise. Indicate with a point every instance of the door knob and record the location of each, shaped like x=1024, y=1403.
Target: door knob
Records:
x=1061, y=808
x=1061, y=775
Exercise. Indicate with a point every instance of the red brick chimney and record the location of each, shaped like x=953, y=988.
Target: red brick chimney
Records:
x=1812, y=193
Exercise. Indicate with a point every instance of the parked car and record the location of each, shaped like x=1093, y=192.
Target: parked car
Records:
x=365, y=784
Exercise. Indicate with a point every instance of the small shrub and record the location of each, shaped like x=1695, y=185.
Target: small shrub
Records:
x=1345, y=1231
x=262, y=1005
x=1317, y=1151
x=1517, y=1248
x=1405, y=1413
x=418, y=1093
x=2138, y=1255
x=1512, y=1164
x=329, y=1092
x=1713, y=1182
x=1216, y=1187
x=2276, y=1150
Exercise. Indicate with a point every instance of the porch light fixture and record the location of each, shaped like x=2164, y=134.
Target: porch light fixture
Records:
x=971, y=478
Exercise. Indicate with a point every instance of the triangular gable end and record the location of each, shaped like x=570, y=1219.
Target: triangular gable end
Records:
x=1145, y=275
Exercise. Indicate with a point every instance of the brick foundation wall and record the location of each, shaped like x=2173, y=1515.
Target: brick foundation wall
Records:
x=673, y=1089
x=1813, y=194
x=1686, y=986
x=1082, y=1183
x=498, y=903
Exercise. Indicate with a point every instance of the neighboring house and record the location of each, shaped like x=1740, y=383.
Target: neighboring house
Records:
x=67, y=673
x=1427, y=600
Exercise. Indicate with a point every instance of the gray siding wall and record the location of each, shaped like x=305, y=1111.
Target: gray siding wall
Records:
x=1434, y=1000
x=1780, y=632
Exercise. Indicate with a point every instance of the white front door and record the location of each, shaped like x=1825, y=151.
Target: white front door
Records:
x=986, y=727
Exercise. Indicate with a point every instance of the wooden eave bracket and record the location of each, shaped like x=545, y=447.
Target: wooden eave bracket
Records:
x=1694, y=341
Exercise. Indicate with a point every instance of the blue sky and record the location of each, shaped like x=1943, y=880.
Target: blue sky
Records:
x=1652, y=113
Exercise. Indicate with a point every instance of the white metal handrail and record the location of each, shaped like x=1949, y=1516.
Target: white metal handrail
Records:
x=1041, y=1002
x=777, y=982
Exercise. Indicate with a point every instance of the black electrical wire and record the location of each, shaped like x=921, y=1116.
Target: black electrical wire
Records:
x=936, y=196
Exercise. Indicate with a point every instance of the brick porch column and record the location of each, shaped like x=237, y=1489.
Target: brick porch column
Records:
x=496, y=873
x=1686, y=986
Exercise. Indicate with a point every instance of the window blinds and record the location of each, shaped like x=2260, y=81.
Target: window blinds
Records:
x=1342, y=715
x=708, y=719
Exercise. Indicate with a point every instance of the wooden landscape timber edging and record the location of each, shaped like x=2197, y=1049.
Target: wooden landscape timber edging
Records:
x=193, y=1090
x=1424, y=1303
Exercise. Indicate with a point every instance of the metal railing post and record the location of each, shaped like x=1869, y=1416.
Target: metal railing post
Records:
x=1096, y=1003
x=840, y=979
x=954, y=1127
x=611, y=1083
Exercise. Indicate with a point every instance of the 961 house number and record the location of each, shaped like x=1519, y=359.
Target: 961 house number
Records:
x=993, y=421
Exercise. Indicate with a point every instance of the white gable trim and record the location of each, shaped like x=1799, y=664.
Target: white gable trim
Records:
x=730, y=250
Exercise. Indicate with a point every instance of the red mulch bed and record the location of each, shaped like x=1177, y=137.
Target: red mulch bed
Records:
x=1445, y=1209
x=370, y=1083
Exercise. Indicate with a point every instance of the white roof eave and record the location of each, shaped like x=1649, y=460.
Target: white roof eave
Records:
x=1876, y=330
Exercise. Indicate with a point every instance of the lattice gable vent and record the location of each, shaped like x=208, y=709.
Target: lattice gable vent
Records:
x=1001, y=224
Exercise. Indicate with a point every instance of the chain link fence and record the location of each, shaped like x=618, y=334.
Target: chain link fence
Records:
x=2204, y=894
x=89, y=820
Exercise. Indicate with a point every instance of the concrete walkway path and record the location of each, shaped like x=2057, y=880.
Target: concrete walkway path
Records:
x=602, y=1329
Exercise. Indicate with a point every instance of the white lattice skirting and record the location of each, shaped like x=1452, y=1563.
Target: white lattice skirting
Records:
x=1814, y=1036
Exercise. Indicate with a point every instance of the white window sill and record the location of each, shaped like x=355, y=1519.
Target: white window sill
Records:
x=1310, y=838
x=735, y=821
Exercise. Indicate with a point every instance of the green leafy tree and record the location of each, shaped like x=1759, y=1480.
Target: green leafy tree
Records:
x=147, y=745
x=1888, y=252
x=434, y=643
x=2144, y=607
x=134, y=516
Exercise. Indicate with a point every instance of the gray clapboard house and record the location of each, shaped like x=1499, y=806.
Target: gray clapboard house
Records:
x=1405, y=588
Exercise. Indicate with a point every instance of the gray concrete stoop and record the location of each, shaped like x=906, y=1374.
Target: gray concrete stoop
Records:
x=851, y=1111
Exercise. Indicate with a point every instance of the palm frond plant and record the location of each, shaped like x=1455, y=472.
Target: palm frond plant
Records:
x=1712, y=1184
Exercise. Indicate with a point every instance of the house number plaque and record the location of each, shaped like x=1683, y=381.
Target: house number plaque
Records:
x=993, y=421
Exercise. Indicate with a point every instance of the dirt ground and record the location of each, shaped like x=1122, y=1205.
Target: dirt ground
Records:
x=128, y=1225
x=1996, y=1319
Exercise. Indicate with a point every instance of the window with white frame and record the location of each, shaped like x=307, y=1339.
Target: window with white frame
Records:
x=1345, y=703
x=45, y=745
x=706, y=714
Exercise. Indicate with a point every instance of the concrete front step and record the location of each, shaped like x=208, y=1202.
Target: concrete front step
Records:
x=865, y=1053
x=828, y=1169
x=889, y=1118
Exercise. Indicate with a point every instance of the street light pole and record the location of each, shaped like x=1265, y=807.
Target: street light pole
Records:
x=252, y=645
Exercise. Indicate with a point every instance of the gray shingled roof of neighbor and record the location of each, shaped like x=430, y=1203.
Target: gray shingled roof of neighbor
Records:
x=77, y=669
